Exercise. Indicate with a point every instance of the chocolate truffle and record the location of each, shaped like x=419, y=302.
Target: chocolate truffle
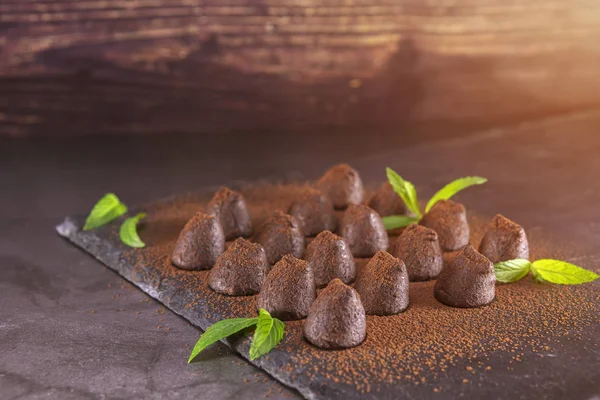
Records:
x=336, y=320
x=330, y=257
x=230, y=209
x=289, y=289
x=281, y=235
x=200, y=243
x=241, y=270
x=383, y=285
x=314, y=212
x=342, y=184
x=420, y=250
x=387, y=202
x=363, y=230
x=504, y=240
x=449, y=220
x=467, y=280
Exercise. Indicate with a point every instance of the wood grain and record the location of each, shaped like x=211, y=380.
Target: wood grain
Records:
x=189, y=65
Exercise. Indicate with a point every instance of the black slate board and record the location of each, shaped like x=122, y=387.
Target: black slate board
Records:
x=567, y=370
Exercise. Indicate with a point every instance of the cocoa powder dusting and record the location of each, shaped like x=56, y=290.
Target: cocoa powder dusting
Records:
x=416, y=346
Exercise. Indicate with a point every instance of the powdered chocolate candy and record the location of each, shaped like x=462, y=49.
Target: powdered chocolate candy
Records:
x=230, y=209
x=504, y=240
x=342, y=184
x=330, y=257
x=241, y=270
x=387, y=202
x=281, y=235
x=314, y=212
x=383, y=285
x=289, y=289
x=363, y=230
x=420, y=250
x=336, y=320
x=467, y=280
x=200, y=243
x=449, y=220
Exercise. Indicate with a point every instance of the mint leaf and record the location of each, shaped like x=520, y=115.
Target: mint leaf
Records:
x=106, y=209
x=512, y=271
x=220, y=330
x=405, y=190
x=398, y=221
x=454, y=187
x=268, y=334
x=561, y=272
x=128, y=232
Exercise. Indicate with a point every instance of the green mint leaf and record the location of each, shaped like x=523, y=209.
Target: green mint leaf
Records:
x=561, y=272
x=405, y=190
x=106, y=209
x=398, y=221
x=128, y=232
x=454, y=187
x=512, y=271
x=221, y=330
x=268, y=334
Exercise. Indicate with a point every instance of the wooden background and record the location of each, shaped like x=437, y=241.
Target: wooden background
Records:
x=114, y=66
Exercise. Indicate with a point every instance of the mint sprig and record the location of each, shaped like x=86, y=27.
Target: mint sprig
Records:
x=128, y=231
x=109, y=207
x=408, y=194
x=546, y=270
x=269, y=332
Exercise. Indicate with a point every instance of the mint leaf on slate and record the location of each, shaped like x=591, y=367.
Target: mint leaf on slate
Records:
x=398, y=221
x=512, y=270
x=405, y=190
x=128, y=232
x=561, y=272
x=106, y=209
x=268, y=334
x=454, y=187
x=221, y=330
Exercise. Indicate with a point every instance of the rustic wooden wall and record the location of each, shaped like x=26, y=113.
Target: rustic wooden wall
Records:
x=79, y=66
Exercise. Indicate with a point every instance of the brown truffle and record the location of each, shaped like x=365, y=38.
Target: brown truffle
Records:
x=200, y=243
x=363, y=230
x=383, y=285
x=330, y=257
x=504, y=240
x=314, y=212
x=241, y=270
x=336, y=320
x=342, y=184
x=449, y=220
x=230, y=209
x=467, y=280
x=289, y=289
x=281, y=235
x=420, y=250
x=387, y=202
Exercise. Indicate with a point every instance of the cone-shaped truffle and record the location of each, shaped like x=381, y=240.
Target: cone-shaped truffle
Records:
x=504, y=240
x=336, y=320
x=230, y=209
x=449, y=220
x=241, y=270
x=289, y=289
x=200, y=243
x=387, y=202
x=420, y=250
x=281, y=235
x=383, y=285
x=314, y=212
x=363, y=230
x=330, y=257
x=342, y=184
x=467, y=280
